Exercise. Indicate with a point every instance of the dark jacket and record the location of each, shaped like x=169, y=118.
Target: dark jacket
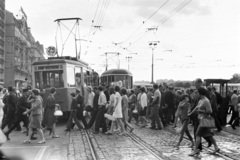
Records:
x=22, y=105
x=74, y=104
x=79, y=100
x=169, y=99
x=11, y=101
x=95, y=100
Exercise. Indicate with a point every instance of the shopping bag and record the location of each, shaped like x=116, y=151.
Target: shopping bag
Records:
x=109, y=117
x=207, y=122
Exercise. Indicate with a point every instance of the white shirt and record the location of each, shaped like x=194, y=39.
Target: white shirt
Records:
x=90, y=99
x=143, y=100
x=102, y=100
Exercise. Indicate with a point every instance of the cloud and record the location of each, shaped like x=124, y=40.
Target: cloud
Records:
x=144, y=9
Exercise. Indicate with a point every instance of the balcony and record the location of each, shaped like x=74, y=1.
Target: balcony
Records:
x=1, y=70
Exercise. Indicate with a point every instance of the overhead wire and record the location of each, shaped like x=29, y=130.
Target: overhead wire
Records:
x=173, y=12
x=145, y=21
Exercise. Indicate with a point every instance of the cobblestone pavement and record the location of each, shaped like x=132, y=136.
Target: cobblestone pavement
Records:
x=115, y=147
x=227, y=142
x=164, y=141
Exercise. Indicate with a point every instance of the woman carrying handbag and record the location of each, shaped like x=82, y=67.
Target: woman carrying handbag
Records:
x=204, y=110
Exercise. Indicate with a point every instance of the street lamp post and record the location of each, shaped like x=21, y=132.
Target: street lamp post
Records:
x=153, y=45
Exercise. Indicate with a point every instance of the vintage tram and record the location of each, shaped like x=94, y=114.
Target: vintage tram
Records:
x=120, y=77
x=65, y=74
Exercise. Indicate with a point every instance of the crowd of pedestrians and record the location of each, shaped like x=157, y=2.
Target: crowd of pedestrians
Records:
x=114, y=110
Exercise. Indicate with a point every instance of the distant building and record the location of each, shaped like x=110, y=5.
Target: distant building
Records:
x=21, y=51
x=2, y=33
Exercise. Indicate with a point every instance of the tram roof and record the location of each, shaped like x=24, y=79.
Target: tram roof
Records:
x=60, y=60
x=217, y=80
x=116, y=72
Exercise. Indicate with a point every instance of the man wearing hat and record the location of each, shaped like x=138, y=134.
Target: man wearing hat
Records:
x=22, y=106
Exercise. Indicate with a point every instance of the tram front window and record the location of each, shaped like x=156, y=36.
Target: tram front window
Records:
x=48, y=79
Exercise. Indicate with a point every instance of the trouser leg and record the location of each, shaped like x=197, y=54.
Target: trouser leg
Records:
x=217, y=123
x=100, y=120
x=93, y=118
x=8, y=119
x=161, y=116
x=17, y=121
x=80, y=114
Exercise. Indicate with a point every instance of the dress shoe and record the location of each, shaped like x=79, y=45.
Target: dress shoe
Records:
x=233, y=127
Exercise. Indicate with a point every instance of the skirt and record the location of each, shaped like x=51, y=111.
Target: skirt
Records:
x=35, y=121
x=203, y=132
x=143, y=111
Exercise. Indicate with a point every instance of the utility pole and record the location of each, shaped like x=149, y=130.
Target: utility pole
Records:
x=128, y=58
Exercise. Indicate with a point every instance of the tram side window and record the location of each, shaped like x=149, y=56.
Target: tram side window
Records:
x=71, y=77
x=52, y=79
x=78, y=76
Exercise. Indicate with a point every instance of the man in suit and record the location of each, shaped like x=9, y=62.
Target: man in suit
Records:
x=22, y=106
x=80, y=102
x=11, y=108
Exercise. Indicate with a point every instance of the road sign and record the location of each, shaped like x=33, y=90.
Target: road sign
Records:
x=51, y=51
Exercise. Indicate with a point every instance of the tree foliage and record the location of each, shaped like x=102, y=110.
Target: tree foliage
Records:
x=235, y=78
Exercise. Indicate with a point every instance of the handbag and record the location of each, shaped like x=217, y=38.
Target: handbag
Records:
x=58, y=112
x=207, y=122
x=109, y=117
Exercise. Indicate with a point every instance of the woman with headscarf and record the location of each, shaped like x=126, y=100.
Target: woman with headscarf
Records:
x=49, y=119
x=35, y=117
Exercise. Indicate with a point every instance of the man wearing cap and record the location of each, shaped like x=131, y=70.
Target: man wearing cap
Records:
x=22, y=106
x=80, y=102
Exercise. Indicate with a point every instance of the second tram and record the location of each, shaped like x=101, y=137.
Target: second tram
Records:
x=120, y=77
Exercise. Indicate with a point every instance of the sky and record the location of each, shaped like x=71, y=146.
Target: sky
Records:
x=194, y=39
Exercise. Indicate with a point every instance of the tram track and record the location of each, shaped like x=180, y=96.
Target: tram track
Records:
x=225, y=156
x=143, y=144
x=90, y=144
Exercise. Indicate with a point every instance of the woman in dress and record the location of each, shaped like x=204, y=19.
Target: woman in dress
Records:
x=183, y=108
x=203, y=109
x=49, y=119
x=118, y=110
x=35, y=116
x=125, y=109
